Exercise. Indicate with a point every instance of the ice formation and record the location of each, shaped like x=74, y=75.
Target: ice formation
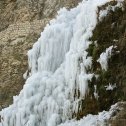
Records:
x=58, y=63
x=104, y=12
x=95, y=92
x=94, y=120
x=103, y=60
x=110, y=87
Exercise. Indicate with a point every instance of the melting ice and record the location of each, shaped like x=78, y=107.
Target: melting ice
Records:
x=58, y=63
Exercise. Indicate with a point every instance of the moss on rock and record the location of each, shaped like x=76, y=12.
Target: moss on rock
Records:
x=110, y=31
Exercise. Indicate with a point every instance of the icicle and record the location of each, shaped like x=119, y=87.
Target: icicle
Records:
x=58, y=67
x=103, y=60
x=95, y=92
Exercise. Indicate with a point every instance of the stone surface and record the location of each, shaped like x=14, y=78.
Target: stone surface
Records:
x=120, y=118
x=13, y=11
x=110, y=31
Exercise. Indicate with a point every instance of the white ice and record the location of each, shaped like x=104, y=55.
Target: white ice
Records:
x=96, y=92
x=105, y=11
x=58, y=63
x=94, y=120
x=104, y=57
x=110, y=87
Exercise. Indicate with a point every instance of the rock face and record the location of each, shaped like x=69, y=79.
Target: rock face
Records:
x=111, y=31
x=21, y=22
x=120, y=117
x=12, y=11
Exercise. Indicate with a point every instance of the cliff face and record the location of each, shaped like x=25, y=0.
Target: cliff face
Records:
x=20, y=25
x=119, y=119
x=13, y=11
x=111, y=31
x=21, y=22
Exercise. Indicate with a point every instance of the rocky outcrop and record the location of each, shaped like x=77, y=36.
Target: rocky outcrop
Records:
x=111, y=31
x=21, y=22
x=13, y=11
x=16, y=40
x=119, y=119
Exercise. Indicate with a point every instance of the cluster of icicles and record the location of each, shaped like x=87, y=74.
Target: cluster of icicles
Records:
x=58, y=63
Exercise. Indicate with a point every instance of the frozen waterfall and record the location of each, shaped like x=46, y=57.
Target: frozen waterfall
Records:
x=58, y=64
